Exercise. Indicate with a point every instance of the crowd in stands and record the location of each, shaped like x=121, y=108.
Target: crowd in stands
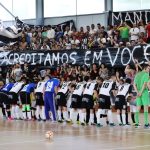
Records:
x=91, y=37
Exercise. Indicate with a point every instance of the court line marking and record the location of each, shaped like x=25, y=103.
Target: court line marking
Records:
x=132, y=147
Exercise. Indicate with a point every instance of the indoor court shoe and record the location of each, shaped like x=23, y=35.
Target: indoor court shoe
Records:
x=92, y=124
x=60, y=121
x=112, y=124
x=137, y=125
x=99, y=125
x=9, y=118
x=146, y=126
x=82, y=124
x=120, y=124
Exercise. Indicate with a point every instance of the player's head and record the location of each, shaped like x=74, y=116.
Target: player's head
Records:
x=79, y=78
x=24, y=80
x=86, y=78
x=128, y=81
x=47, y=77
x=113, y=77
x=146, y=67
x=100, y=80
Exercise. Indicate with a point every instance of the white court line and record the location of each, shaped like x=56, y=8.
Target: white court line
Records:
x=62, y=139
x=132, y=147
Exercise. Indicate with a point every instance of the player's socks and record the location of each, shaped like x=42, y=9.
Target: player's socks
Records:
x=80, y=114
x=42, y=113
x=91, y=118
x=146, y=118
x=65, y=115
x=119, y=119
x=59, y=115
x=29, y=115
x=3, y=112
x=137, y=117
x=24, y=115
x=110, y=117
x=17, y=112
x=83, y=116
x=133, y=117
x=37, y=112
x=123, y=119
x=13, y=112
x=74, y=119
x=126, y=115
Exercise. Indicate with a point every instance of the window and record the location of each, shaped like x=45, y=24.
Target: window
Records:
x=72, y=7
x=125, y=5
x=24, y=9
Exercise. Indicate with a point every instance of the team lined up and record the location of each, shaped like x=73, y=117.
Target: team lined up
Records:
x=86, y=100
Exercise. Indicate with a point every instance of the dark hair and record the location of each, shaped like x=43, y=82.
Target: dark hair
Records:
x=128, y=80
x=86, y=78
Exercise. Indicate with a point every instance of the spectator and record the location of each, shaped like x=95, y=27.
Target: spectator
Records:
x=134, y=33
x=93, y=30
x=124, y=32
x=75, y=43
x=67, y=31
x=45, y=46
x=50, y=32
x=148, y=32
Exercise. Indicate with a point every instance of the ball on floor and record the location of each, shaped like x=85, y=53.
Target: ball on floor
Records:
x=49, y=135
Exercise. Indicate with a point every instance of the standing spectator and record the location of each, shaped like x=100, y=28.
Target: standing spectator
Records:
x=124, y=32
x=93, y=30
x=134, y=33
x=148, y=32
x=98, y=28
x=59, y=33
x=67, y=31
x=50, y=32
x=16, y=72
x=44, y=33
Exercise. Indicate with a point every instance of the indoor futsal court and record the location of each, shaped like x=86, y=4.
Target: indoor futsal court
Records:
x=18, y=135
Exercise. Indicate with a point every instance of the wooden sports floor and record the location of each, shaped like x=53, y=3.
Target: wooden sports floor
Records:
x=20, y=135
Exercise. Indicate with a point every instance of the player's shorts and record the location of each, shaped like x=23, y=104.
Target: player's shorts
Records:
x=61, y=99
x=120, y=102
x=25, y=98
x=143, y=99
x=87, y=101
x=39, y=99
x=76, y=101
x=104, y=102
x=13, y=98
x=4, y=98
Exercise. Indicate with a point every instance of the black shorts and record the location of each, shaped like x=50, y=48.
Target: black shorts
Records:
x=25, y=98
x=76, y=101
x=39, y=99
x=104, y=102
x=120, y=102
x=87, y=101
x=4, y=98
x=61, y=99
x=13, y=98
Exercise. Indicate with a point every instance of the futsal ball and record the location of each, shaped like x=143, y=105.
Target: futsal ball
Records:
x=49, y=135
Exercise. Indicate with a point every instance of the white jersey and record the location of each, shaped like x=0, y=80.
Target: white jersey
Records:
x=64, y=87
x=40, y=87
x=106, y=87
x=17, y=87
x=89, y=89
x=123, y=89
x=79, y=88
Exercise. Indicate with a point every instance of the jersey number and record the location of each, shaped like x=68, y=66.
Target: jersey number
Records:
x=105, y=85
x=88, y=86
x=121, y=88
x=77, y=87
x=50, y=86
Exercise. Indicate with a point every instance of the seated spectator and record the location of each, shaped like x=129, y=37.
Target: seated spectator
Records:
x=45, y=46
x=44, y=33
x=75, y=43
